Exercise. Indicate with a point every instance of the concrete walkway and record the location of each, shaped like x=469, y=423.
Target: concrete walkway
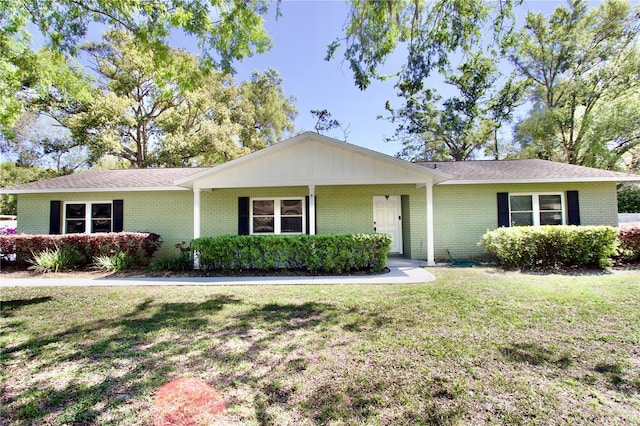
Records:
x=401, y=271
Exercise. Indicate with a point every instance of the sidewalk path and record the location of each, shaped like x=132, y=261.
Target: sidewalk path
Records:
x=402, y=271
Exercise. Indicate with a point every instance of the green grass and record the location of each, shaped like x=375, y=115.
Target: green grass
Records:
x=477, y=346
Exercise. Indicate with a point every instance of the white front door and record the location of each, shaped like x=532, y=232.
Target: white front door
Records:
x=387, y=219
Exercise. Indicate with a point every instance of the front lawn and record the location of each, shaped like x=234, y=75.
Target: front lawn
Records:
x=477, y=346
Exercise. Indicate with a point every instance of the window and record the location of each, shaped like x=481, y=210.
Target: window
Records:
x=277, y=216
x=87, y=218
x=536, y=209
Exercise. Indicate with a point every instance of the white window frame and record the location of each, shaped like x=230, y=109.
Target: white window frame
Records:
x=87, y=218
x=277, y=216
x=535, y=198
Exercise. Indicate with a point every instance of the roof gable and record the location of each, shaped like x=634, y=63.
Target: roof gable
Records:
x=312, y=159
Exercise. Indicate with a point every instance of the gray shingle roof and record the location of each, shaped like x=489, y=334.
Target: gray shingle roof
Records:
x=486, y=171
x=483, y=171
x=105, y=180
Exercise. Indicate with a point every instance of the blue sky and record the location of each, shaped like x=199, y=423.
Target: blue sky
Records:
x=300, y=38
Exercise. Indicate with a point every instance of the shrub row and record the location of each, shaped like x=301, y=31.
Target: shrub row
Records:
x=552, y=246
x=328, y=254
x=139, y=245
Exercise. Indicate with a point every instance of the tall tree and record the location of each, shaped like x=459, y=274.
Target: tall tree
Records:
x=35, y=142
x=430, y=31
x=460, y=126
x=158, y=110
x=225, y=30
x=583, y=67
x=429, y=126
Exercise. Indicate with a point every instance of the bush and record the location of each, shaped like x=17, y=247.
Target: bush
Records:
x=182, y=262
x=629, y=243
x=140, y=246
x=117, y=262
x=552, y=246
x=330, y=254
x=629, y=198
x=54, y=260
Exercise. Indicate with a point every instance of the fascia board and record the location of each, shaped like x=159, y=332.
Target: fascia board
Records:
x=74, y=190
x=543, y=180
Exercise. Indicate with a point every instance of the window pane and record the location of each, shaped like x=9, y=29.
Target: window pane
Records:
x=550, y=218
x=263, y=225
x=101, y=225
x=521, y=219
x=75, y=211
x=291, y=208
x=550, y=202
x=75, y=226
x=102, y=211
x=521, y=203
x=263, y=207
x=291, y=225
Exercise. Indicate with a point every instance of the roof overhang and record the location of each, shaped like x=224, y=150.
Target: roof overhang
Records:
x=312, y=159
x=79, y=190
x=540, y=180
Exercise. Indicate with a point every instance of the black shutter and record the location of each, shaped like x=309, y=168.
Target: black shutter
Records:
x=503, y=209
x=118, y=215
x=573, y=208
x=55, y=216
x=243, y=215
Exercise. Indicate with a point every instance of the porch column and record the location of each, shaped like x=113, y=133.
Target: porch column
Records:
x=196, y=223
x=430, y=244
x=312, y=210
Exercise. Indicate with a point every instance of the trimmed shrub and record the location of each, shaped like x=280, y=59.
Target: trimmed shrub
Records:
x=629, y=240
x=141, y=246
x=182, y=262
x=117, y=262
x=329, y=254
x=552, y=246
x=54, y=260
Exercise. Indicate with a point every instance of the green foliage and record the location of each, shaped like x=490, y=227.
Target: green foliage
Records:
x=629, y=198
x=182, y=262
x=330, y=254
x=12, y=174
x=225, y=30
x=116, y=262
x=430, y=31
x=55, y=259
x=582, y=67
x=552, y=246
x=163, y=110
x=462, y=125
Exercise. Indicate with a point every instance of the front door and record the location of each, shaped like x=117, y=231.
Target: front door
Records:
x=387, y=218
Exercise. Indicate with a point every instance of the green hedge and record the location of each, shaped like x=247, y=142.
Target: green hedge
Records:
x=327, y=254
x=552, y=246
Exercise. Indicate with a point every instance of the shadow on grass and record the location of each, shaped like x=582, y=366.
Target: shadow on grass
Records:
x=122, y=361
x=535, y=354
x=613, y=374
x=7, y=306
